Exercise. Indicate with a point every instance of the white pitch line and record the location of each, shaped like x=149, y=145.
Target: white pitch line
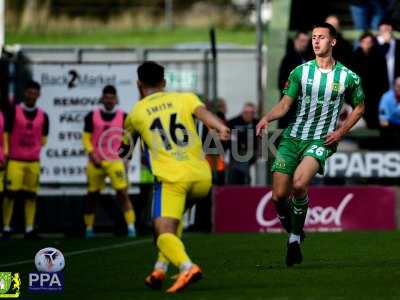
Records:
x=84, y=251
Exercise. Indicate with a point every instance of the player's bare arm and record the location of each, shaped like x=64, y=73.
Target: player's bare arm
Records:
x=352, y=119
x=277, y=112
x=212, y=122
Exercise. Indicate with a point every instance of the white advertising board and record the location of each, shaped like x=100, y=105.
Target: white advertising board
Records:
x=69, y=92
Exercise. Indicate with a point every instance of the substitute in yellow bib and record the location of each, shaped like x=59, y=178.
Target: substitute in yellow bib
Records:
x=165, y=122
x=27, y=127
x=3, y=152
x=102, y=138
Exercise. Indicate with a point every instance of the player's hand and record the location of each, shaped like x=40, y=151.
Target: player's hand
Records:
x=261, y=126
x=224, y=133
x=94, y=159
x=333, y=137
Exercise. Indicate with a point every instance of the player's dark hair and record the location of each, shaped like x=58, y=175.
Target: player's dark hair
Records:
x=31, y=84
x=365, y=35
x=332, y=30
x=110, y=89
x=150, y=73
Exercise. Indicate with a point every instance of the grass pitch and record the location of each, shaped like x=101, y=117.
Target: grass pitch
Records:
x=157, y=37
x=356, y=265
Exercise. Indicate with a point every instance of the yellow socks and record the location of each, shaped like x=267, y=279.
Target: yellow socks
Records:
x=30, y=210
x=179, y=230
x=130, y=217
x=89, y=220
x=163, y=262
x=173, y=249
x=8, y=205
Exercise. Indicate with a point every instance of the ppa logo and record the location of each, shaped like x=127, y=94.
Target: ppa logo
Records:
x=49, y=262
x=46, y=282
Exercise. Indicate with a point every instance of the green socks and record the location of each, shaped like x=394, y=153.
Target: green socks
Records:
x=298, y=215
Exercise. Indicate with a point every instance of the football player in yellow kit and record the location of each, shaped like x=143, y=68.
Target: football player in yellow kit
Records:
x=165, y=122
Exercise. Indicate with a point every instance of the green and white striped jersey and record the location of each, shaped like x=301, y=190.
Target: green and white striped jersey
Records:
x=318, y=97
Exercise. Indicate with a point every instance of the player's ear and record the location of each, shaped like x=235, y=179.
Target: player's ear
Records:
x=333, y=42
x=139, y=86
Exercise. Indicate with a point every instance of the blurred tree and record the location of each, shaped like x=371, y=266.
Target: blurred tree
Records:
x=28, y=15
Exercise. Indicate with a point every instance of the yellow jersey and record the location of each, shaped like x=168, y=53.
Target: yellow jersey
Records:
x=172, y=146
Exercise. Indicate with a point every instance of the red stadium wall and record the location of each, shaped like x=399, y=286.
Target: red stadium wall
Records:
x=333, y=208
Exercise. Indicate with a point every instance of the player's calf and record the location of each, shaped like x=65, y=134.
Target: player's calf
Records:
x=283, y=211
x=127, y=208
x=299, y=208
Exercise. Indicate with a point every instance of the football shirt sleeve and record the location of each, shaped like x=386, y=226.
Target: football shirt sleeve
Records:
x=356, y=93
x=130, y=129
x=193, y=102
x=292, y=87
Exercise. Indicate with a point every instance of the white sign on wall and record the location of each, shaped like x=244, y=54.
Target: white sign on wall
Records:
x=69, y=92
x=357, y=164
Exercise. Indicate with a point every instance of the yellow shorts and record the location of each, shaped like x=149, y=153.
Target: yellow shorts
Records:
x=22, y=176
x=169, y=198
x=115, y=170
x=2, y=181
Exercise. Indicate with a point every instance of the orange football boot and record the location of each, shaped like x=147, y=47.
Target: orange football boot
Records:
x=185, y=278
x=155, y=279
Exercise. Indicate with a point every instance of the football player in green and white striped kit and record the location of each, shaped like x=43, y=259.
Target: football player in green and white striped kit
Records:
x=318, y=90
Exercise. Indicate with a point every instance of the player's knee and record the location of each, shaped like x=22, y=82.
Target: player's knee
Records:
x=165, y=225
x=299, y=187
x=279, y=195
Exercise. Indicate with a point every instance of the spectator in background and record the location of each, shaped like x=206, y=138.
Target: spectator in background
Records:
x=294, y=57
x=390, y=49
x=389, y=117
x=243, y=129
x=343, y=49
x=370, y=65
x=367, y=14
